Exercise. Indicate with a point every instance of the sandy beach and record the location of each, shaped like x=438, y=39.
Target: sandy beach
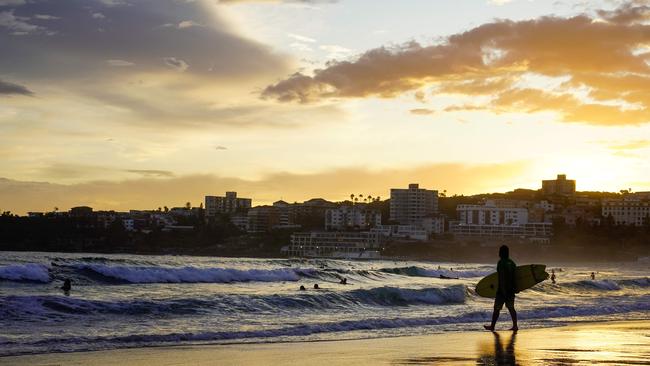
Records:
x=613, y=343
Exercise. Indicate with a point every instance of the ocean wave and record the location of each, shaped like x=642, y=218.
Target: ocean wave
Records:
x=606, y=285
x=601, y=285
x=57, y=307
x=635, y=282
x=34, y=272
x=416, y=271
x=147, y=274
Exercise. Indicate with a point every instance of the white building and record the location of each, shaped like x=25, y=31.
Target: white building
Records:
x=536, y=231
x=409, y=206
x=407, y=232
x=227, y=204
x=627, y=211
x=490, y=214
x=351, y=244
x=354, y=216
x=492, y=220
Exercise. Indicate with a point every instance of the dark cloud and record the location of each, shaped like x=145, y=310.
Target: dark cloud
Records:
x=605, y=57
x=7, y=88
x=90, y=32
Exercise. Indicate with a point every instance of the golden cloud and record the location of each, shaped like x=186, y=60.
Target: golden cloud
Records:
x=602, y=54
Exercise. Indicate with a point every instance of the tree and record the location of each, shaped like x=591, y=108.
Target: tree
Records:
x=166, y=209
x=188, y=205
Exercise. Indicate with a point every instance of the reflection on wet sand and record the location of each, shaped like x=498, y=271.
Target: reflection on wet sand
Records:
x=497, y=356
x=501, y=356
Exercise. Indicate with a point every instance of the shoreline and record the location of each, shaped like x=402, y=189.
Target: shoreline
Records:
x=619, y=342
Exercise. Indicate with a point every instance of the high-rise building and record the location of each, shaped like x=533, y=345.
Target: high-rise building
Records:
x=215, y=205
x=561, y=186
x=409, y=206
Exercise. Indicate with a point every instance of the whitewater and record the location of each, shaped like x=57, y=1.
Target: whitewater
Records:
x=122, y=301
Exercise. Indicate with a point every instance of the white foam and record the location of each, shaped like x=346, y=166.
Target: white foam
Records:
x=193, y=274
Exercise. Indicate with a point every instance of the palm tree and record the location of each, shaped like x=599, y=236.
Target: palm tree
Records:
x=188, y=205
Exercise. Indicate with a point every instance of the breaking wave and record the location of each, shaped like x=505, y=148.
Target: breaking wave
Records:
x=34, y=272
x=133, y=274
x=416, y=271
x=56, y=307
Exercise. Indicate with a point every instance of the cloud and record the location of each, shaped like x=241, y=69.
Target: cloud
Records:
x=85, y=40
x=149, y=192
x=151, y=173
x=422, y=111
x=301, y=38
x=7, y=88
x=136, y=65
x=176, y=63
x=11, y=2
x=226, y=2
x=119, y=63
x=606, y=70
x=18, y=25
x=45, y=17
x=631, y=145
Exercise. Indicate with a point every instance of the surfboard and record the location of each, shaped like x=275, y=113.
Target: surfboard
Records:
x=526, y=277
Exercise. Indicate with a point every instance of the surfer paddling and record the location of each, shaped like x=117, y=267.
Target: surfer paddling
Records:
x=506, y=288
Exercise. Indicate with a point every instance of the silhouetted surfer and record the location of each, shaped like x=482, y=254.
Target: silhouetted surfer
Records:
x=302, y=288
x=344, y=281
x=67, y=286
x=553, y=276
x=316, y=287
x=506, y=291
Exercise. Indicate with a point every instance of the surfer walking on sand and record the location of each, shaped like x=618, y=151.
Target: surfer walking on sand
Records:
x=506, y=289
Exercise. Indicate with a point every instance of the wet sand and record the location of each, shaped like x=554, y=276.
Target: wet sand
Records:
x=612, y=343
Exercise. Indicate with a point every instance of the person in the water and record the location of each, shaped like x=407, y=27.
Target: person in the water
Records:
x=344, y=281
x=316, y=286
x=553, y=275
x=302, y=288
x=67, y=285
x=507, y=287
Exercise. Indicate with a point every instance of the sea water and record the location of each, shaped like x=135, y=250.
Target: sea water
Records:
x=120, y=301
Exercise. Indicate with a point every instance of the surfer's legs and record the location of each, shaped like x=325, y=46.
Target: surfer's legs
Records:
x=510, y=304
x=499, y=300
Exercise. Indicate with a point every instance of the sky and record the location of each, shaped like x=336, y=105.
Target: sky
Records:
x=136, y=104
